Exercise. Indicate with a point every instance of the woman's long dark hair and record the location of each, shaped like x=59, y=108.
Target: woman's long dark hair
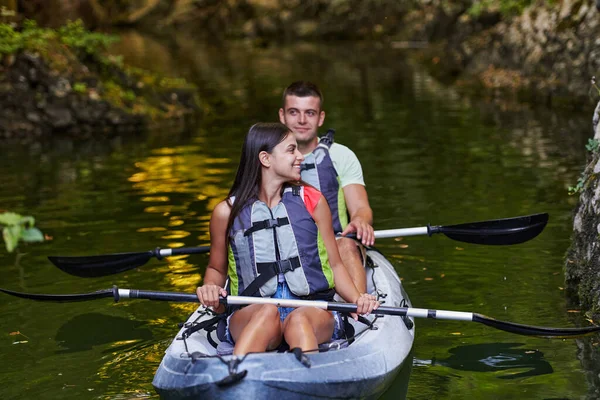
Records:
x=262, y=136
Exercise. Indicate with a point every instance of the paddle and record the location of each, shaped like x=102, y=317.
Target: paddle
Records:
x=108, y=264
x=118, y=294
x=495, y=232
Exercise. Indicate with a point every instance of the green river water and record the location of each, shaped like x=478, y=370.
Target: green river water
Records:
x=429, y=154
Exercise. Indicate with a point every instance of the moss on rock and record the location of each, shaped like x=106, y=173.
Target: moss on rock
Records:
x=61, y=81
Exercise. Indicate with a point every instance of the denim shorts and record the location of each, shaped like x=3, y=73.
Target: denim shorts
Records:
x=284, y=292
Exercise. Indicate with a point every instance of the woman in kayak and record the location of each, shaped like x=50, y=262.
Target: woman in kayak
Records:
x=273, y=237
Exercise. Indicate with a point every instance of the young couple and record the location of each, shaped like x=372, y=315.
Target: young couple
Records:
x=274, y=235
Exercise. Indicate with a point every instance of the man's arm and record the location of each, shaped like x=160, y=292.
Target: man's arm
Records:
x=361, y=215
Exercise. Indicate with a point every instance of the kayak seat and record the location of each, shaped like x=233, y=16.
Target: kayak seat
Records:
x=226, y=348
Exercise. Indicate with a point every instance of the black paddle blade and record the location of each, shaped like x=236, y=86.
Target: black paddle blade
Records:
x=497, y=232
x=94, y=266
x=540, y=331
x=62, y=298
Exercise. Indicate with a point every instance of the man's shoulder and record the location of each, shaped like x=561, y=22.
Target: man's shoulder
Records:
x=338, y=150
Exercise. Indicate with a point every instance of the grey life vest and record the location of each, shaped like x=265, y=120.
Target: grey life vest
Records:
x=317, y=170
x=265, y=243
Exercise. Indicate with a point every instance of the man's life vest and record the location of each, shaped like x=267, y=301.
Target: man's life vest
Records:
x=317, y=170
x=267, y=243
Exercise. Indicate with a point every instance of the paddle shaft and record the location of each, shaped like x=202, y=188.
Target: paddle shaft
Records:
x=521, y=329
x=511, y=327
x=168, y=252
x=119, y=294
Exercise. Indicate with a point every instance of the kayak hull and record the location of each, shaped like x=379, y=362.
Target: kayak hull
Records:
x=364, y=369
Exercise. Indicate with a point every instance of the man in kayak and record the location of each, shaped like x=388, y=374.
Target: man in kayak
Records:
x=335, y=170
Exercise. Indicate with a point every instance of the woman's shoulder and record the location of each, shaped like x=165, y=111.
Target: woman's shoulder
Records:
x=223, y=209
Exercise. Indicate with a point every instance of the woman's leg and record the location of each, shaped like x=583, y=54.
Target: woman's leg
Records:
x=306, y=327
x=255, y=328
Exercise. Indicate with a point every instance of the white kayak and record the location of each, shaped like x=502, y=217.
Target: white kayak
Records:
x=362, y=366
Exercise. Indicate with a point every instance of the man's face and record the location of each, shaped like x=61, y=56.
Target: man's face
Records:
x=303, y=116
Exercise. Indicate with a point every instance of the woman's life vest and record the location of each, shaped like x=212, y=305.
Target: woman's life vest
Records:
x=266, y=244
x=317, y=170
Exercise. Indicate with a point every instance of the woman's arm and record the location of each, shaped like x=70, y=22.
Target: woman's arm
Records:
x=216, y=270
x=343, y=283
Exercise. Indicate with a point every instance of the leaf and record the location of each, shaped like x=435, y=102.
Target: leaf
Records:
x=28, y=221
x=11, y=237
x=10, y=218
x=32, y=235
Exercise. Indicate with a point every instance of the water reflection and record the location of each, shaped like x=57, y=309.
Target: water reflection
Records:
x=494, y=357
x=85, y=331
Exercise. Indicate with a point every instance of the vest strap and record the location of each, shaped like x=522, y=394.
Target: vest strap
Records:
x=328, y=140
x=266, y=224
x=278, y=267
x=268, y=271
x=306, y=167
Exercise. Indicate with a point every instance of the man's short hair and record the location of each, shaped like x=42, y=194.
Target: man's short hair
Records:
x=302, y=89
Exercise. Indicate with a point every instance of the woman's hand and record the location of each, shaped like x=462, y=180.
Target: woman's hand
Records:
x=209, y=295
x=365, y=304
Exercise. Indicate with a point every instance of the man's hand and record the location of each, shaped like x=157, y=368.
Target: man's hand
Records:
x=364, y=231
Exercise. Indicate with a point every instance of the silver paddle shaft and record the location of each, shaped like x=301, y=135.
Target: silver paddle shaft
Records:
x=390, y=233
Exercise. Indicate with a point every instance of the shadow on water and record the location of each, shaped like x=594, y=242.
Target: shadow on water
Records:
x=85, y=331
x=492, y=357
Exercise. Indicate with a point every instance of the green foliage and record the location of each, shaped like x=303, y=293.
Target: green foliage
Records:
x=592, y=145
x=578, y=188
x=32, y=37
x=506, y=7
x=80, y=87
x=75, y=35
x=17, y=228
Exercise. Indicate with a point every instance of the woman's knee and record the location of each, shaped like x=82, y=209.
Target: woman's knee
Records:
x=267, y=313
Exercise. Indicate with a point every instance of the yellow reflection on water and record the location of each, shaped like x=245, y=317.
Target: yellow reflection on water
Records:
x=119, y=343
x=164, y=209
x=155, y=198
x=152, y=229
x=176, y=235
x=176, y=222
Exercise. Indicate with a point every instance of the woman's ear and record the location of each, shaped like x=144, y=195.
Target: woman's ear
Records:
x=264, y=158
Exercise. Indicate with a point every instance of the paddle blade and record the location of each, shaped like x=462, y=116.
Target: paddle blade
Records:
x=94, y=266
x=497, y=232
x=540, y=331
x=61, y=298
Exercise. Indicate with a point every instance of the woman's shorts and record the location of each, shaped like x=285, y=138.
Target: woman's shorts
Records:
x=284, y=292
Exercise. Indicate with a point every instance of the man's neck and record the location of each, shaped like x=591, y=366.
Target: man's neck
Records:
x=308, y=147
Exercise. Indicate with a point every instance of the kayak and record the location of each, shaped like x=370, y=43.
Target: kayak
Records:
x=198, y=365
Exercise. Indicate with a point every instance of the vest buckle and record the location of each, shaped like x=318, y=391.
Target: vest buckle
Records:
x=271, y=223
x=284, y=266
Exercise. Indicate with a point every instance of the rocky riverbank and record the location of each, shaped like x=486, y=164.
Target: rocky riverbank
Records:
x=59, y=83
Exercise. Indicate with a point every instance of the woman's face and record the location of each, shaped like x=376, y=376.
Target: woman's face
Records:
x=285, y=159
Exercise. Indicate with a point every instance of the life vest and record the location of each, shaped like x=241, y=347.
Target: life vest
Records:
x=317, y=170
x=265, y=243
